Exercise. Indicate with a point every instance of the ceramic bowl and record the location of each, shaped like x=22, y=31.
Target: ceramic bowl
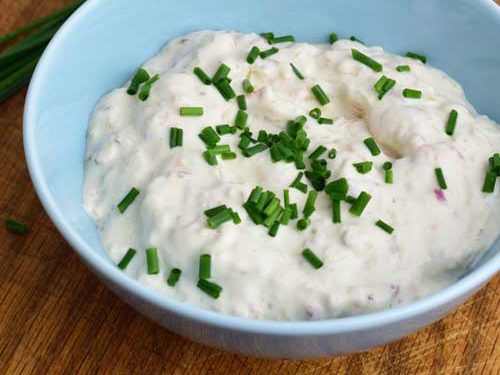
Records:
x=104, y=42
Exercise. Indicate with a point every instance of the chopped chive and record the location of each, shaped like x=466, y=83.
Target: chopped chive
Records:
x=221, y=149
x=286, y=197
x=241, y=119
x=253, y=54
x=383, y=86
x=302, y=224
x=173, y=276
x=320, y=95
x=451, y=123
x=297, y=184
x=332, y=38
x=271, y=206
x=354, y=39
x=244, y=142
x=440, y=178
x=309, y=205
x=366, y=60
x=236, y=217
x=126, y=258
x=262, y=136
x=489, y=182
x=146, y=88
x=372, y=146
x=127, y=200
x=337, y=190
x=332, y=154
x=320, y=150
x=411, y=93
x=252, y=211
x=228, y=155
x=264, y=199
x=225, y=89
x=267, y=36
x=297, y=72
x=494, y=162
x=242, y=103
x=315, y=113
x=363, y=167
x=220, y=218
x=210, y=157
x=388, y=178
x=416, y=56
x=403, y=68
x=176, y=136
x=360, y=203
x=268, y=52
x=295, y=211
x=223, y=129
x=140, y=77
x=312, y=258
x=387, y=165
x=325, y=120
x=336, y=211
x=255, y=195
x=15, y=226
x=286, y=216
x=350, y=199
x=214, y=211
x=384, y=226
x=152, y=261
x=379, y=85
x=283, y=39
x=209, y=136
x=202, y=75
x=205, y=266
x=274, y=229
x=191, y=111
x=212, y=289
x=269, y=221
x=221, y=73
x=250, y=151
x=247, y=86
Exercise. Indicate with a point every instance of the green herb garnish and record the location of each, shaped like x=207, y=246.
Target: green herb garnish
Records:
x=152, y=261
x=366, y=60
x=127, y=200
x=126, y=258
x=312, y=258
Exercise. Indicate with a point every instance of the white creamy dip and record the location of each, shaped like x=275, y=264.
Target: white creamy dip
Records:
x=437, y=233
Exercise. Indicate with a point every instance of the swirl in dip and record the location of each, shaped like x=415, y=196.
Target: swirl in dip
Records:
x=413, y=236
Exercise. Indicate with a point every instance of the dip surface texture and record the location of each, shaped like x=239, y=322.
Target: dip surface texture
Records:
x=438, y=233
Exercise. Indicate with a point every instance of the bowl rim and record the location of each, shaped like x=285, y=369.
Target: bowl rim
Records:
x=109, y=271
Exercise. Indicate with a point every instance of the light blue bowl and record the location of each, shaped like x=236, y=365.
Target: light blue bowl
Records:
x=106, y=40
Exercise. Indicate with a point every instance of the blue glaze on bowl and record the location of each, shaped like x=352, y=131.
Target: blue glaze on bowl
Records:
x=104, y=42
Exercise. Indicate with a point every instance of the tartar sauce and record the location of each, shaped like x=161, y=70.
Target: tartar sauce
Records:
x=437, y=232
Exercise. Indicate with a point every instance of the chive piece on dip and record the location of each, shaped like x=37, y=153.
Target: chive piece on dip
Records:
x=140, y=77
x=403, y=68
x=332, y=38
x=412, y=94
x=127, y=200
x=191, y=111
x=205, y=266
x=360, y=203
x=283, y=39
x=366, y=60
x=15, y=226
x=384, y=226
x=372, y=146
x=440, y=178
x=297, y=72
x=451, y=123
x=126, y=258
x=320, y=95
x=176, y=136
x=416, y=56
x=146, y=88
x=363, y=167
x=173, y=276
x=489, y=182
x=253, y=54
x=210, y=288
x=247, y=86
x=312, y=258
x=152, y=261
x=268, y=52
x=202, y=75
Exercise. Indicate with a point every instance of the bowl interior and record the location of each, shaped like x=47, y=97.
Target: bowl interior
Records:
x=104, y=43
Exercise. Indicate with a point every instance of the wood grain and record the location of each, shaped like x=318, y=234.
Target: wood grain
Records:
x=57, y=318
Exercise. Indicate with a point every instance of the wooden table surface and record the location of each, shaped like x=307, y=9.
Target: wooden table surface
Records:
x=57, y=317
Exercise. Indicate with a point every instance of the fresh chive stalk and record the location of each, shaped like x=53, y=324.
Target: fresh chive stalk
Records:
x=412, y=94
x=297, y=72
x=152, y=261
x=205, y=266
x=384, y=226
x=440, y=178
x=312, y=258
x=128, y=199
x=174, y=276
x=417, y=56
x=202, y=75
x=451, y=123
x=253, y=54
x=15, y=226
x=212, y=289
x=320, y=95
x=372, y=146
x=366, y=60
x=191, y=111
x=129, y=255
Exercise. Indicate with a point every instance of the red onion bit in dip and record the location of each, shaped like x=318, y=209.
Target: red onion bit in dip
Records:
x=440, y=195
